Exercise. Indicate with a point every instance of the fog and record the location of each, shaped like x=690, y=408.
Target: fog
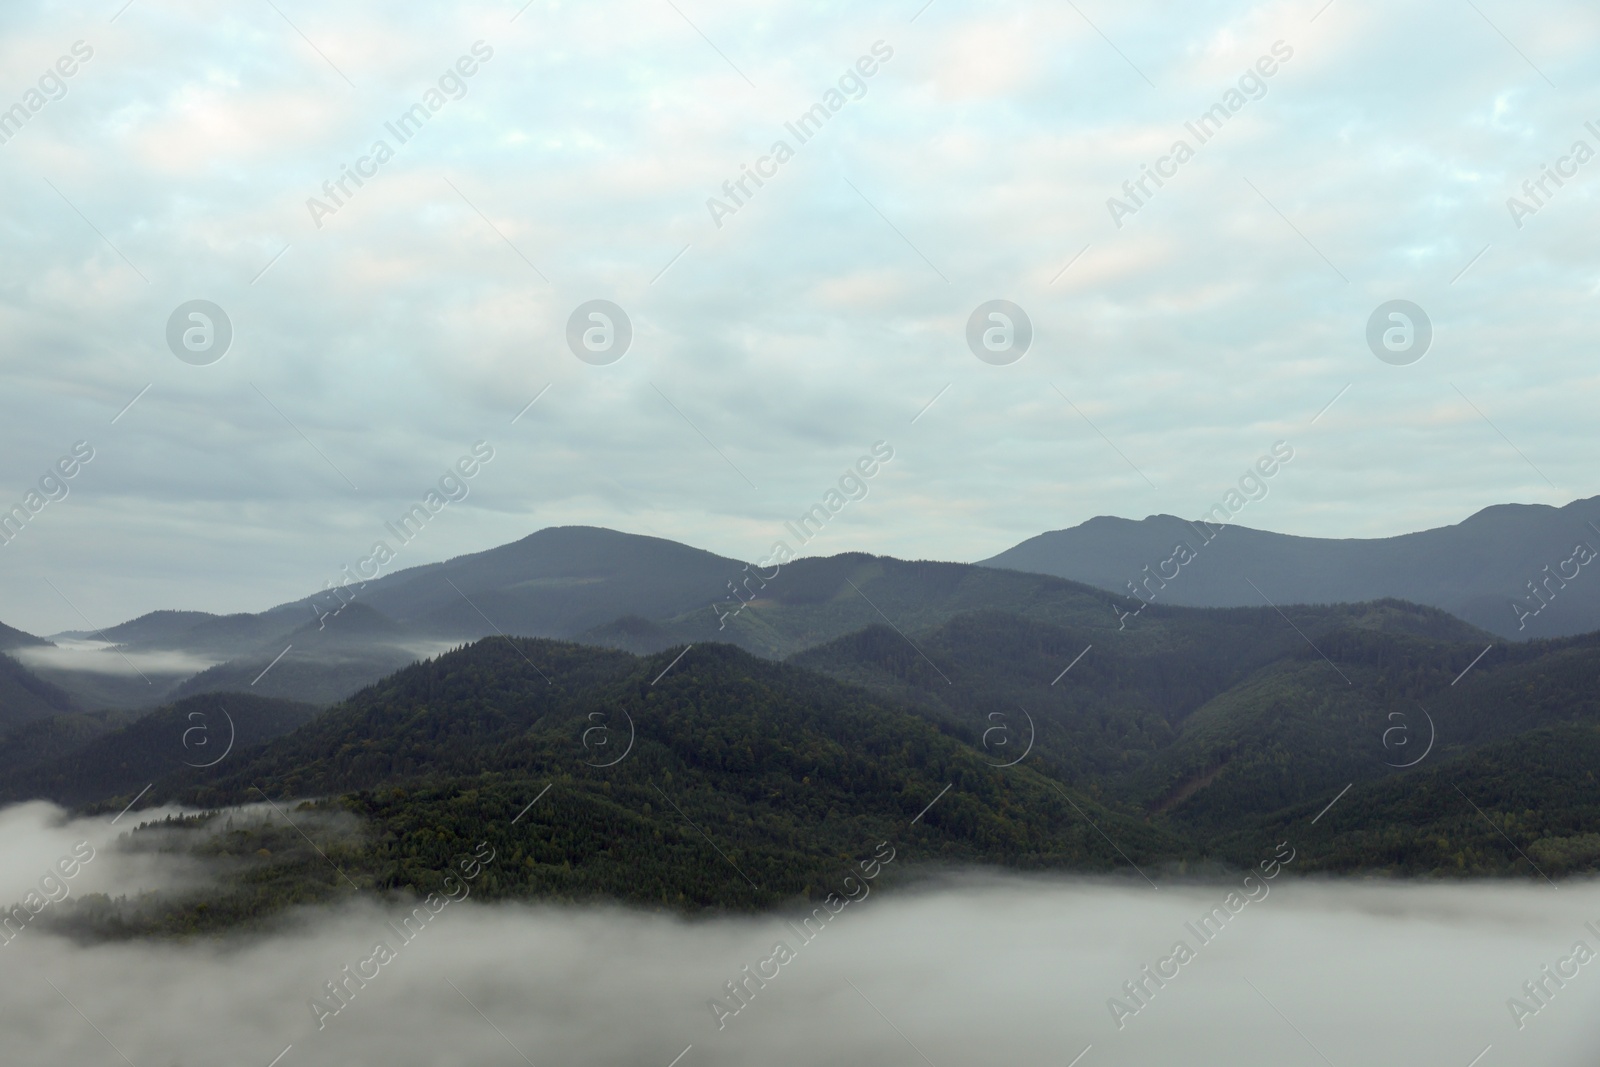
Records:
x=430, y=649
x=975, y=969
x=103, y=657
x=36, y=835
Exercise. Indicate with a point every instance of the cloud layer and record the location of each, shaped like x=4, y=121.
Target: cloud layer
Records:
x=970, y=969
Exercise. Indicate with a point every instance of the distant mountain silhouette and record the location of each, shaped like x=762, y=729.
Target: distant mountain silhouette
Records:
x=1516, y=571
x=320, y=662
x=195, y=631
x=554, y=583
x=1511, y=569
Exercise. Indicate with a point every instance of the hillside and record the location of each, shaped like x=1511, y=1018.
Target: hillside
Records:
x=319, y=662
x=80, y=759
x=746, y=783
x=1246, y=728
x=1524, y=806
x=201, y=632
x=24, y=696
x=11, y=638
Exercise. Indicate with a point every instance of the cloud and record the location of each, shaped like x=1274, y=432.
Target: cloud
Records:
x=102, y=657
x=35, y=836
x=968, y=968
x=821, y=317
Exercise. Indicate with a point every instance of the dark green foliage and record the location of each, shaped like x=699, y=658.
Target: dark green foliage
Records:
x=1244, y=721
x=264, y=864
x=81, y=759
x=748, y=783
x=25, y=697
x=25, y=748
x=1527, y=806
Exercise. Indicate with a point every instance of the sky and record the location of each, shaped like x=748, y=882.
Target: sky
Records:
x=375, y=334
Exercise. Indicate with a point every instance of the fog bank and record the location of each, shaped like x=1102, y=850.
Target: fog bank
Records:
x=104, y=657
x=974, y=970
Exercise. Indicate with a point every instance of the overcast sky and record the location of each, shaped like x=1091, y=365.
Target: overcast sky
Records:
x=1172, y=345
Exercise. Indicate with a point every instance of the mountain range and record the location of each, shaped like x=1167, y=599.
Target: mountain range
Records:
x=771, y=721
x=1515, y=571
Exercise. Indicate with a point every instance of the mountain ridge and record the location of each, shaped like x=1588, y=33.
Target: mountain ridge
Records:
x=1510, y=569
x=643, y=593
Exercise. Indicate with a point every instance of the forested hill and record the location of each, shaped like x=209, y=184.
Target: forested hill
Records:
x=82, y=758
x=11, y=637
x=733, y=781
x=24, y=696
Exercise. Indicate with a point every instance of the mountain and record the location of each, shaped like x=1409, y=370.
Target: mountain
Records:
x=641, y=594
x=811, y=601
x=165, y=628
x=644, y=594
x=554, y=583
x=1226, y=734
x=582, y=574
x=1287, y=736
x=559, y=582
x=1517, y=570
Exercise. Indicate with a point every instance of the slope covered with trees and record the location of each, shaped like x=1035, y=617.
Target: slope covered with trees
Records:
x=740, y=783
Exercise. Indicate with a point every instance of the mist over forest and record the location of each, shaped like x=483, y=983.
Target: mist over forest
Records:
x=964, y=968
